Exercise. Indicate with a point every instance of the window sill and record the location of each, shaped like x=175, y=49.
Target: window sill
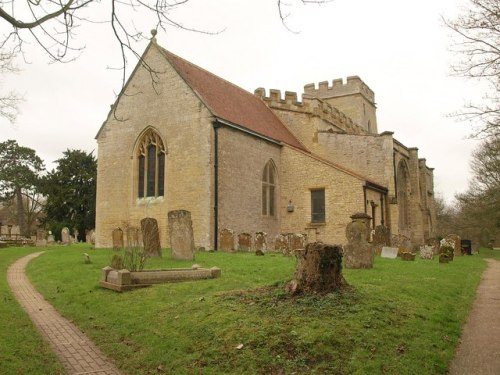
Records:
x=315, y=225
x=149, y=200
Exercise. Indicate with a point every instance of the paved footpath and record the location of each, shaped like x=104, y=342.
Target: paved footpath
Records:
x=77, y=353
x=479, y=350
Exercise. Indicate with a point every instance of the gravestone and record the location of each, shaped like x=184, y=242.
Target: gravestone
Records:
x=457, y=248
x=244, y=241
x=41, y=238
x=297, y=241
x=446, y=250
x=226, y=240
x=133, y=236
x=117, y=235
x=406, y=255
x=358, y=253
x=260, y=241
x=389, y=252
x=180, y=228
x=282, y=243
x=426, y=252
x=381, y=238
x=50, y=238
x=65, y=237
x=434, y=242
x=75, y=236
x=89, y=234
x=402, y=242
x=151, y=237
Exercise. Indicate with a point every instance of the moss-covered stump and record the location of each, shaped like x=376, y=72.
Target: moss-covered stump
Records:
x=319, y=270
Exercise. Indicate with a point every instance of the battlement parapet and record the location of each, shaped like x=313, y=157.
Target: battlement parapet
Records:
x=309, y=105
x=353, y=85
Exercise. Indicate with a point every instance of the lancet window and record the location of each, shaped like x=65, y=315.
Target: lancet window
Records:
x=151, y=156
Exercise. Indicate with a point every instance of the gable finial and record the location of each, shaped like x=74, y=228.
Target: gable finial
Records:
x=153, y=35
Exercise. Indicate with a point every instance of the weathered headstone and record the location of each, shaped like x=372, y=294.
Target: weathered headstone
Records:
x=381, y=238
x=88, y=236
x=133, y=236
x=402, y=242
x=389, y=252
x=446, y=250
x=282, y=243
x=75, y=236
x=426, y=252
x=41, y=237
x=151, y=237
x=65, y=237
x=226, y=240
x=244, y=241
x=434, y=242
x=297, y=241
x=117, y=235
x=260, y=241
x=319, y=269
x=180, y=228
x=358, y=253
x=457, y=248
x=50, y=238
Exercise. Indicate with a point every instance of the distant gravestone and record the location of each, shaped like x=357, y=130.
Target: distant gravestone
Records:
x=358, y=253
x=426, y=252
x=88, y=236
x=133, y=234
x=434, y=242
x=282, y=244
x=446, y=250
x=456, y=240
x=151, y=237
x=75, y=236
x=226, y=240
x=65, y=237
x=117, y=235
x=297, y=241
x=244, y=241
x=260, y=241
x=180, y=228
x=402, y=242
x=41, y=238
x=389, y=252
x=50, y=238
x=381, y=238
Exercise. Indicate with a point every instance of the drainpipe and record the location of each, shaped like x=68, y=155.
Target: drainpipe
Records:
x=216, y=125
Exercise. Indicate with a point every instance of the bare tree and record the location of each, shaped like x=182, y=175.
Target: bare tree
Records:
x=8, y=100
x=478, y=44
x=53, y=24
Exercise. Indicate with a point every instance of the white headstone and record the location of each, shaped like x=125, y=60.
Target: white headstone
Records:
x=389, y=252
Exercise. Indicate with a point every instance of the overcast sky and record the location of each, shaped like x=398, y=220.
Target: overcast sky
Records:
x=398, y=48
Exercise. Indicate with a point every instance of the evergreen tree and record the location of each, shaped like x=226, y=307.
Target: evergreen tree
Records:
x=71, y=192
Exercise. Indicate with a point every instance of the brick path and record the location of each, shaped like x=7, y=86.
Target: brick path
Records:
x=479, y=350
x=77, y=353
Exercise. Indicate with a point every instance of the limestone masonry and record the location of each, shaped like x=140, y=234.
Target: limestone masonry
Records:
x=181, y=138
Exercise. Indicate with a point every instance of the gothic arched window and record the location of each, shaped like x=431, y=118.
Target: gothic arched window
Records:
x=151, y=165
x=268, y=189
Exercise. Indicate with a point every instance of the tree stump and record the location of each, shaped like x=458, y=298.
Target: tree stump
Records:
x=319, y=270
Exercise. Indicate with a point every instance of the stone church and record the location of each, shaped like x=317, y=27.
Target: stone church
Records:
x=179, y=137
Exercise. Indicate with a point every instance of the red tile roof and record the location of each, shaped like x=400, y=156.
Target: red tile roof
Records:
x=231, y=103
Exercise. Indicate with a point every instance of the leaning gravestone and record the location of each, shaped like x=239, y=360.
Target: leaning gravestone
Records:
x=226, y=240
x=117, y=235
x=389, y=252
x=358, y=253
x=244, y=241
x=180, y=228
x=65, y=237
x=260, y=241
x=151, y=237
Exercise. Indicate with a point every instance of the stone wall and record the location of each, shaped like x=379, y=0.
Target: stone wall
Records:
x=302, y=172
x=171, y=108
x=242, y=159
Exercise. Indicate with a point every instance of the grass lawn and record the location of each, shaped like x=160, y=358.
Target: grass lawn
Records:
x=399, y=318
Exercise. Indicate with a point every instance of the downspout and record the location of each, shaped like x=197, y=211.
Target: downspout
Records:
x=364, y=199
x=216, y=125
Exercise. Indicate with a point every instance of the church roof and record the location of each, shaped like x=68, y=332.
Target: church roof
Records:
x=231, y=103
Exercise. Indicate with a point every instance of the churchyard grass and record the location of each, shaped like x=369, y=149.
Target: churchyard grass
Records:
x=22, y=349
x=398, y=318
